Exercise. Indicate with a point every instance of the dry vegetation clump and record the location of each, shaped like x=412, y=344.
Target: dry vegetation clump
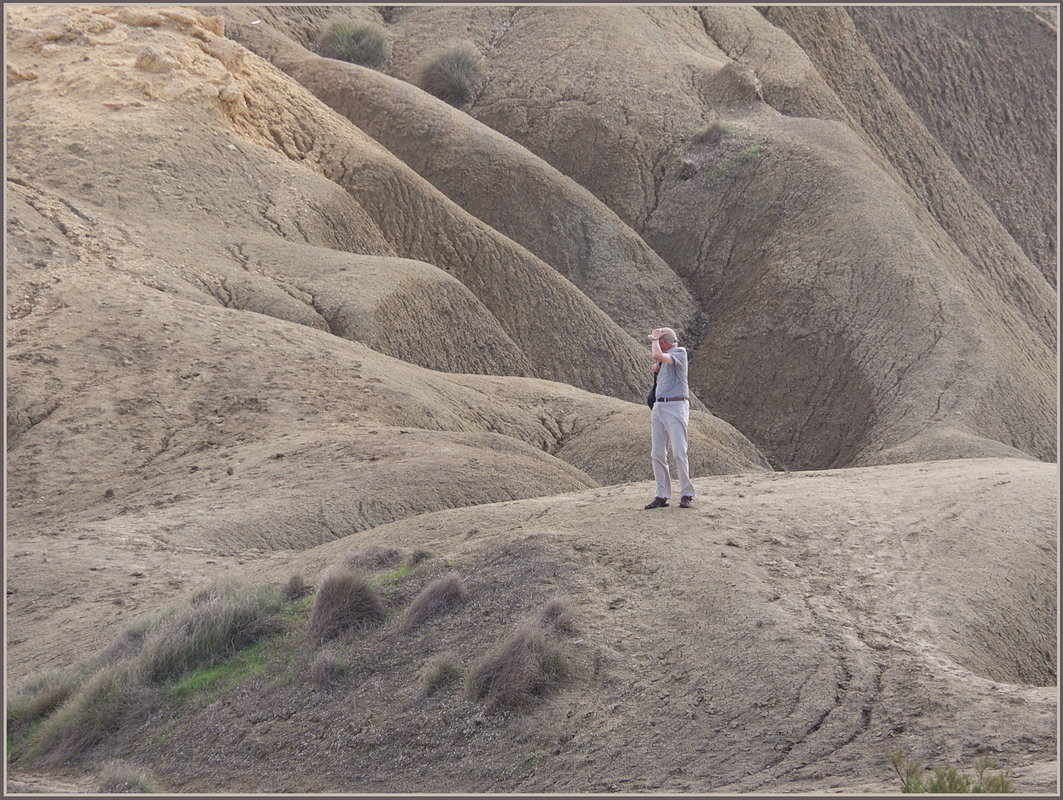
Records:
x=215, y=628
x=417, y=556
x=112, y=698
x=710, y=135
x=39, y=697
x=438, y=596
x=441, y=671
x=296, y=588
x=452, y=75
x=555, y=614
x=326, y=669
x=373, y=557
x=523, y=669
x=118, y=777
x=356, y=42
x=344, y=602
x=122, y=684
x=130, y=641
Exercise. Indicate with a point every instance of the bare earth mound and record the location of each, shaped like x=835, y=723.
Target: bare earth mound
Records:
x=776, y=638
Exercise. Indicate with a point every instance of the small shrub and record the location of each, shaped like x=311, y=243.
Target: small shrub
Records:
x=453, y=75
x=296, y=588
x=555, y=614
x=524, y=668
x=326, y=669
x=345, y=601
x=439, y=595
x=357, y=42
x=212, y=630
x=120, y=778
x=947, y=779
x=440, y=671
x=110, y=699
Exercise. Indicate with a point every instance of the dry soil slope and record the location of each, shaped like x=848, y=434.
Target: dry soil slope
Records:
x=995, y=69
x=779, y=637
x=895, y=307
x=487, y=174
x=270, y=119
x=150, y=411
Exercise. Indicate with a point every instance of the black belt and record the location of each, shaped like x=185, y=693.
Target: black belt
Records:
x=669, y=399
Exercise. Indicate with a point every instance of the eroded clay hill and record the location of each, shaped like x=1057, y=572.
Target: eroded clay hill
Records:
x=223, y=295
x=863, y=299
x=265, y=309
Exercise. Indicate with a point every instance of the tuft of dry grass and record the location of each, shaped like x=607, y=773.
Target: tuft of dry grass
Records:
x=117, y=777
x=357, y=42
x=452, y=75
x=296, y=588
x=114, y=697
x=130, y=641
x=417, y=556
x=374, y=557
x=710, y=135
x=441, y=670
x=344, y=602
x=40, y=696
x=522, y=670
x=326, y=669
x=555, y=614
x=438, y=596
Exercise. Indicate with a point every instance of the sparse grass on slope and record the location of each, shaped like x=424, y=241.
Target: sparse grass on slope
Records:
x=164, y=656
x=231, y=639
x=212, y=630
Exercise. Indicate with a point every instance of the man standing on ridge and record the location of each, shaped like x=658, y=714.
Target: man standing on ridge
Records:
x=669, y=417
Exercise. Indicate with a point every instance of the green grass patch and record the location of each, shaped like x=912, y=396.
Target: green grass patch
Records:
x=753, y=150
x=297, y=611
x=390, y=577
x=246, y=663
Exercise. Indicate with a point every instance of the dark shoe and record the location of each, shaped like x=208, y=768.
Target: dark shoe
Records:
x=686, y=501
x=658, y=502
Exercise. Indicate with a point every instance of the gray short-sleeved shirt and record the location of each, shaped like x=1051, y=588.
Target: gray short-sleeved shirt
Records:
x=672, y=378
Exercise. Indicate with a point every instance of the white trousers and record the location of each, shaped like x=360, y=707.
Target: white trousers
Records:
x=668, y=425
